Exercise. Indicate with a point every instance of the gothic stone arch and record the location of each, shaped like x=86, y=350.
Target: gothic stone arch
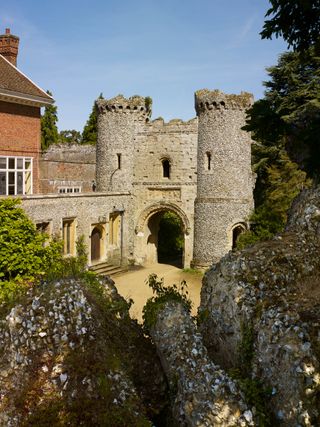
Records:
x=143, y=238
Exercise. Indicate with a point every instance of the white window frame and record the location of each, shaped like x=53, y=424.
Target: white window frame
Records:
x=26, y=171
x=68, y=190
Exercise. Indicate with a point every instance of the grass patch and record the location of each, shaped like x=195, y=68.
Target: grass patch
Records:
x=194, y=271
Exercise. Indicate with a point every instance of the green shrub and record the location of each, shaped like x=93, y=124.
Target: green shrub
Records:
x=24, y=253
x=71, y=266
x=163, y=294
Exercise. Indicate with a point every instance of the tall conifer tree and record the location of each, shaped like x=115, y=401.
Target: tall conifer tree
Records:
x=49, y=130
x=89, y=134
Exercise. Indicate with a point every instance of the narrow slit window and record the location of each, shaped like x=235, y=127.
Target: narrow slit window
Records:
x=209, y=161
x=119, y=160
x=166, y=168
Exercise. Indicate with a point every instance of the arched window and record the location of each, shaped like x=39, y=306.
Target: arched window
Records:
x=208, y=161
x=165, y=168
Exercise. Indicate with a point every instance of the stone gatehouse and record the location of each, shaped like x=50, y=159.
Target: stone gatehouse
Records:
x=116, y=193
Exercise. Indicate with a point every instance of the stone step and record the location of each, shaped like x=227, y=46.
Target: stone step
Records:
x=106, y=269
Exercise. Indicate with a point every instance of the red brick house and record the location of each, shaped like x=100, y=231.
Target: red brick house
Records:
x=20, y=131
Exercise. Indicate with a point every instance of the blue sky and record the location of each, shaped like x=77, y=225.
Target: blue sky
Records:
x=166, y=49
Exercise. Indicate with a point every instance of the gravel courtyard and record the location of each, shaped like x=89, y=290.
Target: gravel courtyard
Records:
x=132, y=284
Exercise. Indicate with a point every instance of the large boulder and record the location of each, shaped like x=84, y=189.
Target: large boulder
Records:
x=261, y=308
x=70, y=355
x=202, y=393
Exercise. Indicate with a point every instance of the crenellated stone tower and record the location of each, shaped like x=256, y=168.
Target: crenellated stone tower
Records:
x=119, y=120
x=225, y=181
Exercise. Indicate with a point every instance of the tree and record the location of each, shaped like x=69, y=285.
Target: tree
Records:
x=289, y=115
x=49, y=130
x=297, y=21
x=279, y=181
x=89, y=134
x=69, y=137
x=285, y=125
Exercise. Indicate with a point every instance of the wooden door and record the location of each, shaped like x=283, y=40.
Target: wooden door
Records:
x=95, y=244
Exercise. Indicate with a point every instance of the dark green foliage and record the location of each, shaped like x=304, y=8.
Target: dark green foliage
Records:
x=256, y=394
x=297, y=21
x=69, y=137
x=163, y=294
x=89, y=134
x=246, y=349
x=286, y=126
x=49, y=130
x=289, y=115
x=279, y=182
x=170, y=237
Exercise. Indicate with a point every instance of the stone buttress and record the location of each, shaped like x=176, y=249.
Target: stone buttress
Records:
x=225, y=181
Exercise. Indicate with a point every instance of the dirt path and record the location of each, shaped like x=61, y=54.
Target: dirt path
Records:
x=132, y=285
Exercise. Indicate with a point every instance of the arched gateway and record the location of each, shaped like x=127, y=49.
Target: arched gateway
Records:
x=148, y=228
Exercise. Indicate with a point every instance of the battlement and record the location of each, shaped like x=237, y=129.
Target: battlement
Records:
x=158, y=125
x=120, y=104
x=215, y=99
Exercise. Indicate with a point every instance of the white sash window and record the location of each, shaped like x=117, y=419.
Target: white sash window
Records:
x=15, y=175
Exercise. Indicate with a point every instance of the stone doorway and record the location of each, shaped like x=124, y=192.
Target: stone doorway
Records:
x=170, y=247
x=157, y=242
x=165, y=242
x=96, y=237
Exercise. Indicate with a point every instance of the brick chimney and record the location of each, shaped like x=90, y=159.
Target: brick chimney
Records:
x=9, y=45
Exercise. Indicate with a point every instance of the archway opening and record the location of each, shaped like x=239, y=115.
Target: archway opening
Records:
x=236, y=231
x=166, y=238
x=96, y=236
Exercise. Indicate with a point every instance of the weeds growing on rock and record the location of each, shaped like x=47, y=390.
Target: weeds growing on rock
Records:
x=162, y=295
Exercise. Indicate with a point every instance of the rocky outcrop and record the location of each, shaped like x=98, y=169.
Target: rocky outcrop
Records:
x=261, y=308
x=63, y=360
x=203, y=394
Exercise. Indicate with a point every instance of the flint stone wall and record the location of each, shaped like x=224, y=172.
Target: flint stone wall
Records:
x=175, y=141
x=87, y=210
x=225, y=180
